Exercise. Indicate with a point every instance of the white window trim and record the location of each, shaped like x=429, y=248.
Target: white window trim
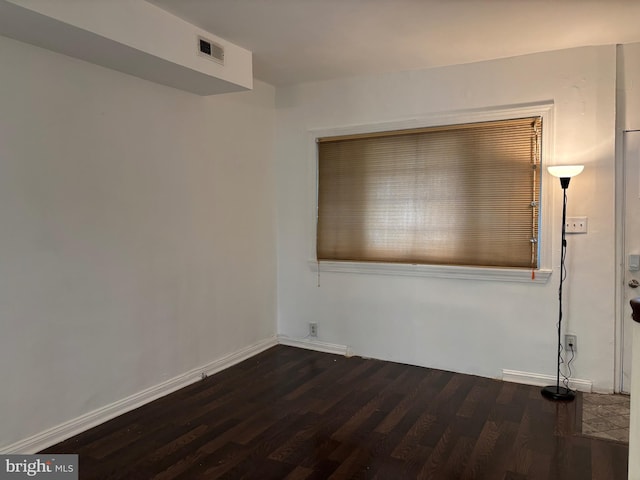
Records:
x=435, y=271
x=540, y=275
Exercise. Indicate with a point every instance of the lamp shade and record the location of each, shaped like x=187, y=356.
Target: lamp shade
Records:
x=565, y=171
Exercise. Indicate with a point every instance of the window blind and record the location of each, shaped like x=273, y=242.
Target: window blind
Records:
x=462, y=194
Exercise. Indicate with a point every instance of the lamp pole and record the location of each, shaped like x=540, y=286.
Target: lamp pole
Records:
x=556, y=392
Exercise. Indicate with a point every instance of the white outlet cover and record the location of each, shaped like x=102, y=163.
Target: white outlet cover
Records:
x=576, y=225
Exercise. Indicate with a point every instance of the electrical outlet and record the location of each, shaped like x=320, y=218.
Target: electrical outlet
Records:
x=576, y=225
x=571, y=343
x=313, y=329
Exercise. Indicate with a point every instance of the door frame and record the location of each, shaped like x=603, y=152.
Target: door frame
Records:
x=620, y=212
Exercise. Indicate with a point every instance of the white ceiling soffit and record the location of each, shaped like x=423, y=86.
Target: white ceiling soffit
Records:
x=133, y=37
x=295, y=41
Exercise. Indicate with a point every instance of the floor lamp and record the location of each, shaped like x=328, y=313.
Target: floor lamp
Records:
x=556, y=392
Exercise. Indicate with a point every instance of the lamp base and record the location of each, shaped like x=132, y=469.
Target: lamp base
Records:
x=554, y=392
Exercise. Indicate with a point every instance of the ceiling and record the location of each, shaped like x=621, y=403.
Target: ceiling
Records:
x=296, y=41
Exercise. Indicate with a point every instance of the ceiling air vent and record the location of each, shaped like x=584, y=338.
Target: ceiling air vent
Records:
x=211, y=50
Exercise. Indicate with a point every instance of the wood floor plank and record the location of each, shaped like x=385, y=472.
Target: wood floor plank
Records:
x=297, y=414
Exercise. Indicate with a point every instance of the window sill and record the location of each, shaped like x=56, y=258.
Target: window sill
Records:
x=434, y=271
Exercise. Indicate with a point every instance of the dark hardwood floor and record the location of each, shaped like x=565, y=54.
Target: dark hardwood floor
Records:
x=298, y=414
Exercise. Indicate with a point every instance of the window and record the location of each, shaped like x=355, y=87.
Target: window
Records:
x=465, y=194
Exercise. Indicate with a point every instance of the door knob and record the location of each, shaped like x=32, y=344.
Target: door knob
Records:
x=634, y=283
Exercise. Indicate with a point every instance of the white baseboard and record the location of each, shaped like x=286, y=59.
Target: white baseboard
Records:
x=314, y=345
x=80, y=424
x=541, y=380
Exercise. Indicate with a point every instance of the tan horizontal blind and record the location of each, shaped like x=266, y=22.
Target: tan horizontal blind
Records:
x=459, y=195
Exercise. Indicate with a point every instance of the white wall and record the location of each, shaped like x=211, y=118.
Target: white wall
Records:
x=629, y=59
x=479, y=327
x=137, y=236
